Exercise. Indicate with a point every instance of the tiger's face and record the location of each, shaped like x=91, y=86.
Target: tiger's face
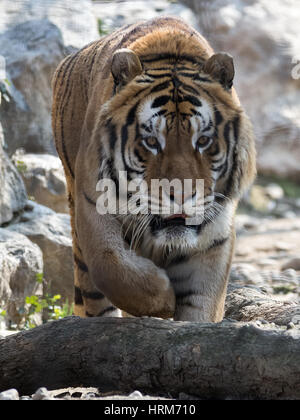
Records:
x=173, y=123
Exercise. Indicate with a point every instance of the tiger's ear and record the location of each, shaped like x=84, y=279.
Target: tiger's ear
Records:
x=125, y=67
x=220, y=67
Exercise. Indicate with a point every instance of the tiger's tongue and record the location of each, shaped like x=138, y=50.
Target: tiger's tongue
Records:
x=177, y=216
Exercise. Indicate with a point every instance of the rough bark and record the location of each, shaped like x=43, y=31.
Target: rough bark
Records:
x=226, y=360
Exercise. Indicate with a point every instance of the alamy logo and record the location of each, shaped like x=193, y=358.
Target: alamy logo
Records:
x=296, y=69
x=162, y=197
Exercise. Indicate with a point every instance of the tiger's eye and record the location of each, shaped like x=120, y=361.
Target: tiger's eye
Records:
x=203, y=143
x=152, y=144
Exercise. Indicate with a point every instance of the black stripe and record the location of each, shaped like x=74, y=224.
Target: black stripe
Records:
x=190, y=75
x=80, y=264
x=217, y=242
x=139, y=157
x=108, y=309
x=72, y=57
x=179, y=259
x=64, y=149
x=233, y=173
x=112, y=134
x=226, y=134
x=187, y=303
x=88, y=199
x=218, y=116
x=202, y=79
x=160, y=86
x=124, y=137
x=160, y=101
x=183, y=294
x=192, y=99
x=92, y=295
x=67, y=92
x=78, y=296
x=189, y=88
x=168, y=56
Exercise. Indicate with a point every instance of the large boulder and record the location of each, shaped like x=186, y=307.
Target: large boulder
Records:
x=263, y=37
x=45, y=180
x=32, y=51
x=112, y=15
x=12, y=190
x=74, y=19
x=35, y=36
x=21, y=262
x=52, y=233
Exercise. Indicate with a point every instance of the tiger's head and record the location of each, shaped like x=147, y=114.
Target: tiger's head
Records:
x=174, y=116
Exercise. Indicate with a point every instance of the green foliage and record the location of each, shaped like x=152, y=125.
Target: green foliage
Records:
x=291, y=189
x=101, y=28
x=55, y=309
x=284, y=289
x=21, y=166
x=52, y=305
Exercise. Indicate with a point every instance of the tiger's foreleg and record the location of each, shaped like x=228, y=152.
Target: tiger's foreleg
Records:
x=132, y=283
x=88, y=301
x=200, y=283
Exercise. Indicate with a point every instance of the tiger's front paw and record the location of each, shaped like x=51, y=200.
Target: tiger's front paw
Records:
x=161, y=295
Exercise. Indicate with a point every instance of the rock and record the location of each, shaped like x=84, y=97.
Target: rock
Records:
x=32, y=211
x=35, y=36
x=20, y=263
x=136, y=394
x=113, y=15
x=12, y=190
x=30, y=49
x=10, y=394
x=52, y=233
x=274, y=191
x=293, y=263
x=263, y=38
x=42, y=394
x=45, y=180
x=74, y=19
x=245, y=274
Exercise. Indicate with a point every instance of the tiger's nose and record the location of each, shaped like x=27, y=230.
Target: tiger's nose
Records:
x=176, y=197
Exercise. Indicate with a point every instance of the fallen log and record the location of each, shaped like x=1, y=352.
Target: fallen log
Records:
x=158, y=357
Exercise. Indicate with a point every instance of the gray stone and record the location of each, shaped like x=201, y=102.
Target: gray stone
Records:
x=293, y=263
x=74, y=19
x=10, y=394
x=30, y=49
x=32, y=211
x=42, y=394
x=45, y=181
x=12, y=190
x=274, y=191
x=35, y=36
x=52, y=233
x=136, y=394
x=20, y=263
x=114, y=14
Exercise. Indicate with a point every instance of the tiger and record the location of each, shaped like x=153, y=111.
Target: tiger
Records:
x=154, y=101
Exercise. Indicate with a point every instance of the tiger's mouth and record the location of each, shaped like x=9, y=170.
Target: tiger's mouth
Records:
x=177, y=220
